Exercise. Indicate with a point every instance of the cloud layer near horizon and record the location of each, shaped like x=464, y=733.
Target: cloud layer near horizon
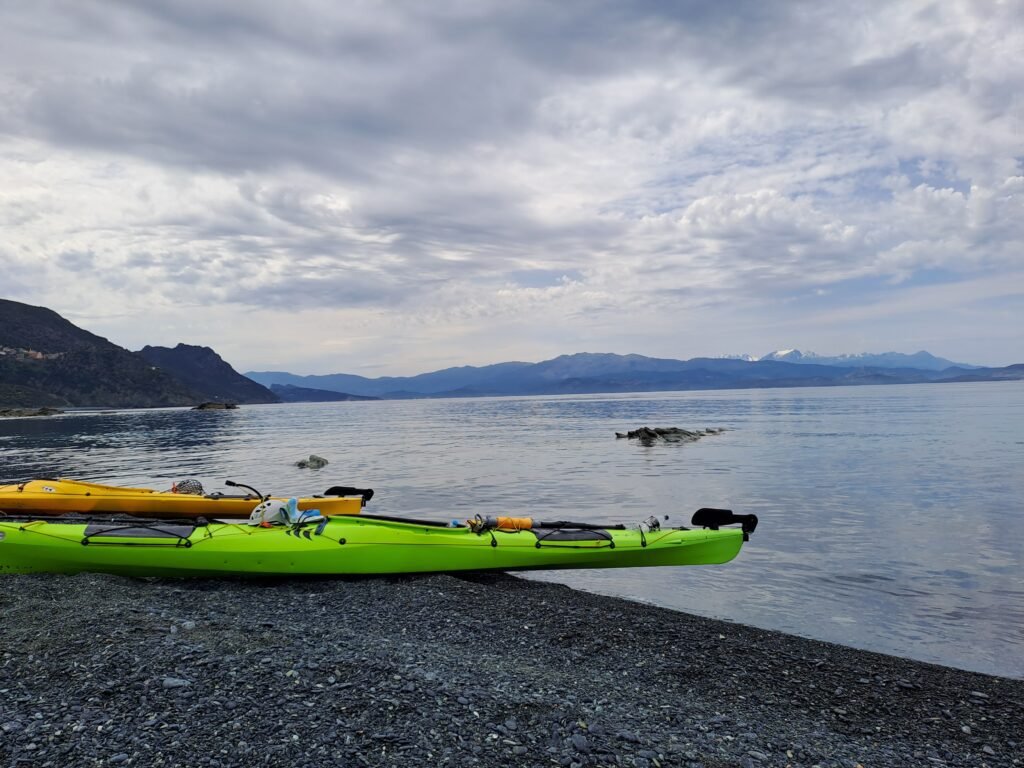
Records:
x=395, y=187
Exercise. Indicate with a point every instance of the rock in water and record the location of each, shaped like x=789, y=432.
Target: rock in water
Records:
x=215, y=407
x=313, y=462
x=649, y=436
x=18, y=412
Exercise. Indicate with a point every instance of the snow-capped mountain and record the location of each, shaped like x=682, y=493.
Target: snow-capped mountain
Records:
x=591, y=373
x=923, y=361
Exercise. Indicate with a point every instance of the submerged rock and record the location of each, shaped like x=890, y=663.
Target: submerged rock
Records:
x=648, y=436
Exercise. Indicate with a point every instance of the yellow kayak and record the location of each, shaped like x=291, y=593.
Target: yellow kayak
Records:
x=63, y=496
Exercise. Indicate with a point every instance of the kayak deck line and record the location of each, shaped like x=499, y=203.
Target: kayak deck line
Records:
x=160, y=529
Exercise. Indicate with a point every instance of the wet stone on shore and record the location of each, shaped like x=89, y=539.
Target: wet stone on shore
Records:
x=456, y=671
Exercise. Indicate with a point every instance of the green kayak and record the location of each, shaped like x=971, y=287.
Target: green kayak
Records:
x=353, y=545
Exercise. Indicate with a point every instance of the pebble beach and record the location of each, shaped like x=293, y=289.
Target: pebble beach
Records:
x=475, y=670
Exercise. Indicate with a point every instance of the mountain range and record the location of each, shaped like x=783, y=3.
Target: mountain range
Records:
x=591, y=373
x=47, y=361
x=919, y=360
x=289, y=393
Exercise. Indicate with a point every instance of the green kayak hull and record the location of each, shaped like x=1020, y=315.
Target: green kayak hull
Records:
x=340, y=546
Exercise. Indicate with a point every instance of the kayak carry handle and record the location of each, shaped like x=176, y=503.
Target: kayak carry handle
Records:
x=233, y=484
x=709, y=517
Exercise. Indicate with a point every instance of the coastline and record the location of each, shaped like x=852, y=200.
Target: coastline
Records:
x=17, y=409
x=486, y=670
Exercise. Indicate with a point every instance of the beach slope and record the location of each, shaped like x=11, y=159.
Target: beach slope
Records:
x=442, y=670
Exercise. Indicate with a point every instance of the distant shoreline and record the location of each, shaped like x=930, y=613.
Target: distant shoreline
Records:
x=10, y=412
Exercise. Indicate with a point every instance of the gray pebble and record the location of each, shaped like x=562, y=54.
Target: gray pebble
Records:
x=381, y=675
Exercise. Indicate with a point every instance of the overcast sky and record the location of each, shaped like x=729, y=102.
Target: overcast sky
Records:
x=395, y=187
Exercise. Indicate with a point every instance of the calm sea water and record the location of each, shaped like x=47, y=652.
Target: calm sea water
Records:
x=891, y=517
